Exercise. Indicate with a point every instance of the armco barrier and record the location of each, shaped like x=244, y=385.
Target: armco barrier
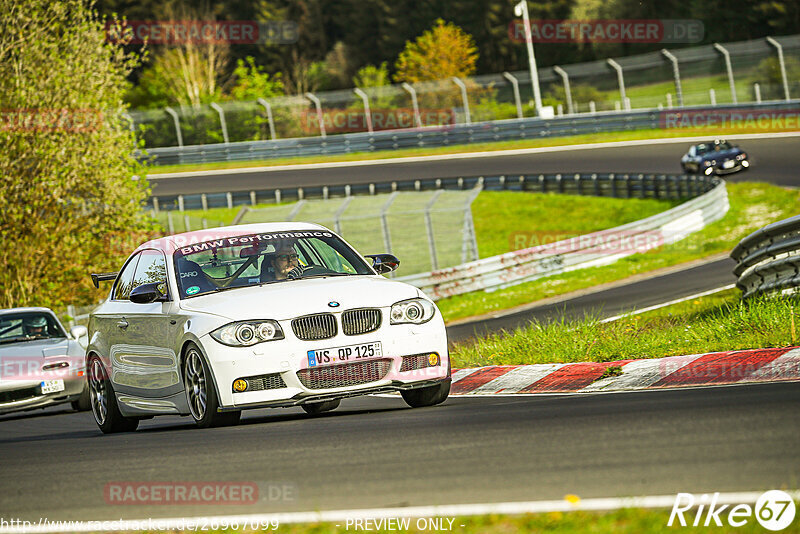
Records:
x=768, y=260
x=599, y=248
x=482, y=132
x=615, y=185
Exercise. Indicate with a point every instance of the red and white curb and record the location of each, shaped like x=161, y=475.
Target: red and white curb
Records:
x=716, y=368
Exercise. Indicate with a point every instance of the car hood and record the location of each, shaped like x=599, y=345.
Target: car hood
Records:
x=286, y=300
x=722, y=154
x=35, y=347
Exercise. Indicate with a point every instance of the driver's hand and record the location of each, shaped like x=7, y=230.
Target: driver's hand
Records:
x=295, y=273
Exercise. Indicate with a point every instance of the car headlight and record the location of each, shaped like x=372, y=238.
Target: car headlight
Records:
x=741, y=156
x=707, y=163
x=247, y=333
x=416, y=311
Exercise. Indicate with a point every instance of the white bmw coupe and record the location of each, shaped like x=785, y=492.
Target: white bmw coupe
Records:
x=211, y=322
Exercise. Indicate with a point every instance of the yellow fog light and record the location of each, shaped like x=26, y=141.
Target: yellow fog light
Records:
x=433, y=359
x=240, y=385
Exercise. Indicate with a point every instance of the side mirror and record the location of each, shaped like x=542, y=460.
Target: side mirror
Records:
x=147, y=293
x=78, y=331
x=384, y=263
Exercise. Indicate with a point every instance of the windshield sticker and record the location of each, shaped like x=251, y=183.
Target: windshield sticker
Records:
x=250, y=239
x=192, y=290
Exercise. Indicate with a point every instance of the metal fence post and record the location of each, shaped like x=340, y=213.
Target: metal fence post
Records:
x=268, y=109
x=567, y=91
x=387, y=238
x=429, y=228
x=712, y=95
x=367, y=113
x=620, y=80
x=253, y=198
x=338, y=215
x=222, y=123
x=71, y=313
x=186, y=225
x=757, y=90
x=204, y=201
x=464, y=99
x=155, y=204
x=296, y=209
x=320, y=119
x=515, y=86
x=180, y=203
x=676, y=73
x=414, y=103
x=778, y=46
x=177, y=122
x=722, y=50
x=469, y=243
x=170, y=224
x=229, y=198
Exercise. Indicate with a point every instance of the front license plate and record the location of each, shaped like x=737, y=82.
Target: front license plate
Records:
x=52, y=386
x=728, y=164
x=350, y=353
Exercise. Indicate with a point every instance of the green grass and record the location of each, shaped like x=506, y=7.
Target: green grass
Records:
x=625, y=521
x=507, y=220
x=459, y=149
x=752, y=206
x=714, y=323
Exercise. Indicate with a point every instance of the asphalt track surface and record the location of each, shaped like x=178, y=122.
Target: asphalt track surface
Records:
x=774, y=160
x=376, y=452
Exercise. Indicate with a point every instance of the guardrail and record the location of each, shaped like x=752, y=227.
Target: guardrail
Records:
x=435, y=136
x=599, y=248
x=768, y=260
x=616, y=185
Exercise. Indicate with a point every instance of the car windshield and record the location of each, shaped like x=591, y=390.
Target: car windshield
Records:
x=256, y=259
x=29, y=326
x=710, y=147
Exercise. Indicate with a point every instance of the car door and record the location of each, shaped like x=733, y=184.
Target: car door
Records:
x=144, y=355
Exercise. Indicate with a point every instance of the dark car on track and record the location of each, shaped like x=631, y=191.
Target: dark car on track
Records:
x=715, y=157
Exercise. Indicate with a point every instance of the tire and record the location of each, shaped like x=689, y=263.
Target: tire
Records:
x=201, y=393
x=314, y=408
x=84, y=402
x=104, y=403
x=427, y=396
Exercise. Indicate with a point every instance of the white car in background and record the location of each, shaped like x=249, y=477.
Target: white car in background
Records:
x=40, y=363
x=205, y=324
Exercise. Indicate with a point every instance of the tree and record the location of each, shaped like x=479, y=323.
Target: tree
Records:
x=439, y=53
x=250, y=82
x=69, y=204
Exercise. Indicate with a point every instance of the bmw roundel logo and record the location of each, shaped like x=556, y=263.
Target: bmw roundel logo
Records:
x=333, y=304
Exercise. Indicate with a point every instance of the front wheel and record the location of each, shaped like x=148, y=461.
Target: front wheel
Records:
x=104, y=403
x=202, y=395
x=313, y=408
x=427, y=396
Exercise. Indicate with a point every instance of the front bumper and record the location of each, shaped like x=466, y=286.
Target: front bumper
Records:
x=20, y=395
x=289, y=356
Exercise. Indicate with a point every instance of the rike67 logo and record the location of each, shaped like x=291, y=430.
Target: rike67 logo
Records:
x=774, y=510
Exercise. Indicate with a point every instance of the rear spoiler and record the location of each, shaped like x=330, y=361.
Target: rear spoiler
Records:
x=103, y=277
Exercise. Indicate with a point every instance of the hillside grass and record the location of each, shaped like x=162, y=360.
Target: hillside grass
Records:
x=752, y=206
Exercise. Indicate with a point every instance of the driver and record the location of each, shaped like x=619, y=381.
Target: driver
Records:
x=285, y=261
x=34, y=326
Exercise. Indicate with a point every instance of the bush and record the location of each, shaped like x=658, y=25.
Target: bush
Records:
x=69, y=205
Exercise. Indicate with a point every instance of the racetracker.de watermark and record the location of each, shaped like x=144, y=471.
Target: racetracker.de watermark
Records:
x=609, y=31
x=38, y=368
x=174, y=32
x=51, y=120
x=610, y=242
x=197, y=492
x=346, y=120
x=742, y=118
